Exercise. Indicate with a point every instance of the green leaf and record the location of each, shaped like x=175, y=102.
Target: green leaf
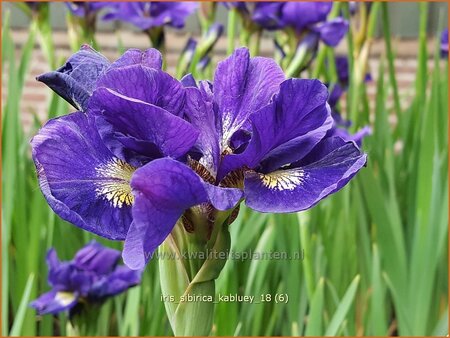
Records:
x=20, y=315
x=343, y=308
x=315, y=323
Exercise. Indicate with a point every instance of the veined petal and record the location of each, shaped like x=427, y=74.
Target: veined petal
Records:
x=97, y=258
x=164, y=189
x=300, y=109
x=146, y=84
x=76, y=79
x=243, y=85
x=82, y=181
x=137, y=131
x=296, y=148
x=150, y=58
x=328, y=168
x=199, y=112
x=54, y=302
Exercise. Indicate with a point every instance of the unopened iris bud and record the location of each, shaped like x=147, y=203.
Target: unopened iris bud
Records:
x=304, y=54
x=210, y=39
x=203, y=63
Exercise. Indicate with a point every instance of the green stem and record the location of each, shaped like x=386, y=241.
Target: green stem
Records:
x=231, y=29
x=323, y=49
x=390, y=56
x=298, y=60
x=320, y=61
x=360, y=60
x=303, y=219
x=188, y=268
x=255, y=43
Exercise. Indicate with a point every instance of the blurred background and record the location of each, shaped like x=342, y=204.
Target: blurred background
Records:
x=375, y=254
x=404, y=32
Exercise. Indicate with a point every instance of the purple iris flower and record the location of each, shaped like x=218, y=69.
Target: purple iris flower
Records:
x=83, y=8
x=146, y=15
x=302, y=17
x=92, y=276
x=149, y=150
x=444, y=43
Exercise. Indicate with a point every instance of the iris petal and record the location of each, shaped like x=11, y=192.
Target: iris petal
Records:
x=146, y=84
x=199, y=112
x=137, y=131
x=59, y=273
x=95, y=257
x=164, y=189
x=243, y=85
x=54, y=302
x=332, y=32
x=268, y=15
x=83, y=182
x=145, y=15
x=76, y=79
x=150, y=58
x=302, y=14
x=289, y=123
x=331, y=165
x=121, y=279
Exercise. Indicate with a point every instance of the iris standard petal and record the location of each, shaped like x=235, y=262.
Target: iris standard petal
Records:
x=137, y=131
x=121, y=279
x=299, y=108
x=335, y=162
x=97, y=258
x=59, y=273
x=82, y=181
x=54, y=302
x=332, y=32
x=164, y=189
x=199, y=112
x=76, y=79
x=146, y=84
x=300, y=15
x=145, y=15
x=268, y=15
x=149, y=58
x=242, y=86
x=172, y=13
x=63, y=276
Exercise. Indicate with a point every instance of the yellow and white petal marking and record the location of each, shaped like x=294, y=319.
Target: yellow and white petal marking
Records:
x=115, y=187
x=283, y=179
x=64, y=298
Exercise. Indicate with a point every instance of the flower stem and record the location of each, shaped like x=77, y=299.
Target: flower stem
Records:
x=390, y=56
x=231, y=29
x=255, y=43
x=188, y=270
